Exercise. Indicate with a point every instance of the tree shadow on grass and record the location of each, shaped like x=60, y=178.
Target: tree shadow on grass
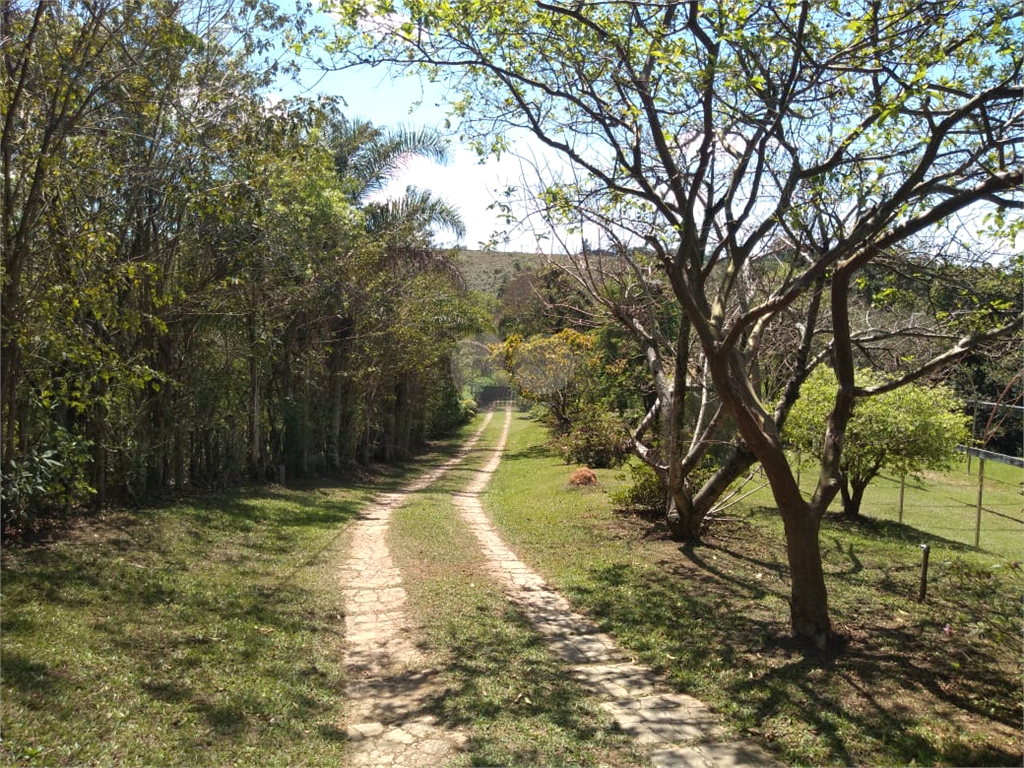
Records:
x=521, y=705
x=286, y=509
x=200, y=611
x=718, y=626
x=39, y=686
x=532, y=451
x=890, y=531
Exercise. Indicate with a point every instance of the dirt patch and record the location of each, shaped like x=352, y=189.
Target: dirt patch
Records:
x=582, y=477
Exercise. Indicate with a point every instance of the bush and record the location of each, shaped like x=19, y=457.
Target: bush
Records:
x=647, y=494
x=451, y=412
x=595, y=438
x=45, y=481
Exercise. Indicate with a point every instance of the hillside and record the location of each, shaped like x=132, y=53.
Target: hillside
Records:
x=487, y=271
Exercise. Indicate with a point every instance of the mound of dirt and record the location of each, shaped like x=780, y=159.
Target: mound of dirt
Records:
x=582, y=476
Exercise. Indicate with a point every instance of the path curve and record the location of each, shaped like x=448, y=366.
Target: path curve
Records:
x=388, y=691
x=678, y=729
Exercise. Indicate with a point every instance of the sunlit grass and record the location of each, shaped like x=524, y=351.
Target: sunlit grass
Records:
x=927, y=683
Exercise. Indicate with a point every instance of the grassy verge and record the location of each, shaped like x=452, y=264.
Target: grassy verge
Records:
x=931, y=683
x=203, y=633
x=516, y=701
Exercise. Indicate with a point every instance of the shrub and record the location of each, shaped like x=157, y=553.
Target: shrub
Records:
x=647, y=494
x=452, y=411
x=45, y=481
x=595, y=438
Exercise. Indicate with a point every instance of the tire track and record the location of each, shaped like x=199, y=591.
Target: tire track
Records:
x=678, y=729
x=389, y=692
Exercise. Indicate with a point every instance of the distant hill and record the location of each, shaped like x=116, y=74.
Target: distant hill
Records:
x=487, y=271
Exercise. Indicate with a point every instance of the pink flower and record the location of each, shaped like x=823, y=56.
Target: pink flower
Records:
x=947, y=629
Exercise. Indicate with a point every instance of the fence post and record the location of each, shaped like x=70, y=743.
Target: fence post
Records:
x=981, y=486
x=924, y=573
x=903, y=485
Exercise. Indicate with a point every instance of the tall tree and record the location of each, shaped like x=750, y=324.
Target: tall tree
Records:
x=707, y=131
x=367, y=158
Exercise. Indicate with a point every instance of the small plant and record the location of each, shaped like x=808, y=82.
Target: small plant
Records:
x=986, y=601
x=45, y=481
x=582, y=476
x=646, y=495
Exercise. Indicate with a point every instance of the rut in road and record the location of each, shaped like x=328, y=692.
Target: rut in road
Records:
x=389, y=688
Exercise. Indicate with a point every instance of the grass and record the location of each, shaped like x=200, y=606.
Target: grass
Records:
x=516, y=701
x=203, y=633
x=487, y=271
x=946, y=505
x=909, y=683
x=209, y=632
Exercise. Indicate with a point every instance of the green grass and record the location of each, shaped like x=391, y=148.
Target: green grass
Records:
x=209, y=632
x=503, y=687
x=203, y=633
x=900, y=688
x=946, y=505
x=197, y=634
x=942, y=506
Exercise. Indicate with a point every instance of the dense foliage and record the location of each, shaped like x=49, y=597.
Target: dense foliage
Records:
x=904, y=431
x=195, y=288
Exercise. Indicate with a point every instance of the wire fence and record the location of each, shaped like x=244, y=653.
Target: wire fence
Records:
x=980, y=504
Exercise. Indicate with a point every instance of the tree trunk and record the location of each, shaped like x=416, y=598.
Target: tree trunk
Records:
x=802, y=520
x=682, y=517
x=335, y=398
x=179, y=457
x=9, y=424
x=808, y=603
x=853, y=493
x=390, y=422
x=683, y=520
x=255, y=464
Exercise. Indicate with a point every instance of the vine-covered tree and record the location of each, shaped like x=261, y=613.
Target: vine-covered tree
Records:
x=708, y=132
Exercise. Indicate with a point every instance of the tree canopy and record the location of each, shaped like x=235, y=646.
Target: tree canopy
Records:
x=822, y=138
x=195, y=288
x=904, y=431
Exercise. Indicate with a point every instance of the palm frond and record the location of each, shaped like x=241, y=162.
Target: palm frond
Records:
x=367, y=157
x=417, y=210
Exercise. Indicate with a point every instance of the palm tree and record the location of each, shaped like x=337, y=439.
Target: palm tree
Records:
x=368, y=157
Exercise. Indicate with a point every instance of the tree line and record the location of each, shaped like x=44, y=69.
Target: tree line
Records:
x=198, y=284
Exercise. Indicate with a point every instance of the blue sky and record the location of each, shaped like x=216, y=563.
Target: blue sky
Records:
x=467, y=184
